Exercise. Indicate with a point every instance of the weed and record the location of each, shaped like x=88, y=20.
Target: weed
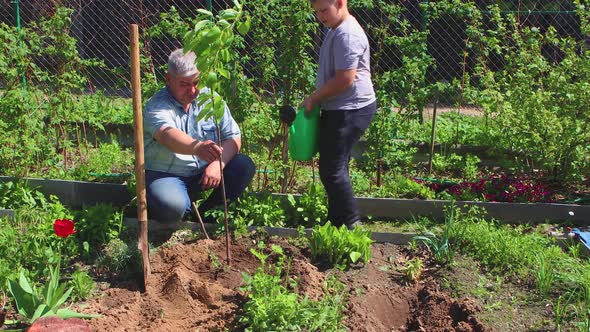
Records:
x=413, y=269
x=82, y=285
x=440, y=246
x=545, y=273
x=118, y=255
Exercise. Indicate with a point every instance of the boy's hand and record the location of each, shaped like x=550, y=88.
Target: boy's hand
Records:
x=308, y=103
x=287, y=114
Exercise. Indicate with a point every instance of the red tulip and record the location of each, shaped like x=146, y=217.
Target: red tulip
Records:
x=64, y=227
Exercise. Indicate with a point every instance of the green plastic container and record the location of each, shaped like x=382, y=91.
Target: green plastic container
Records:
x=304, y=134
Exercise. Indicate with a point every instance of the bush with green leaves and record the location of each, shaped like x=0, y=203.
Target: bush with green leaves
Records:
x=120, y=257
x=273, y=306
x=260, y=210
x=99, y=224
x=109, y=158
x=311, y=207
x=339, y=246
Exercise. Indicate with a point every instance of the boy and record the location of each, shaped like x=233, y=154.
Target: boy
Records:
x=345, y=93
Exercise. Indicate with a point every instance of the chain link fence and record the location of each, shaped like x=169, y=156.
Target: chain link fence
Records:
x=101, y=28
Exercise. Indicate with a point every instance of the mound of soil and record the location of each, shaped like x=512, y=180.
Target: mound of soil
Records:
x=191, y=288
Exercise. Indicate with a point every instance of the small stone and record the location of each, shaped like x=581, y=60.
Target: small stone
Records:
x=56, y=324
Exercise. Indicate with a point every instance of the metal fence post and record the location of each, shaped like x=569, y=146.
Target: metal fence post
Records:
x=20, y=33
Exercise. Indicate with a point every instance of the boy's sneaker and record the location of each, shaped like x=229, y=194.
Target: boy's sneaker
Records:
x=354, y=225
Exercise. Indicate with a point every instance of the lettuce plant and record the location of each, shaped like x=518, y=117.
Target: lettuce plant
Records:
x=339, y=246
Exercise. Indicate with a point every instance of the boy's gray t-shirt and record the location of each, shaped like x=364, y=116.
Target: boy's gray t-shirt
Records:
x=347, y=47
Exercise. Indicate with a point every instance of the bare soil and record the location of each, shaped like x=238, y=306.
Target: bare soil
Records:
x=191, y=289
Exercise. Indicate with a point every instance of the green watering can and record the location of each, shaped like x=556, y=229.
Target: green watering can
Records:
x=304, y=134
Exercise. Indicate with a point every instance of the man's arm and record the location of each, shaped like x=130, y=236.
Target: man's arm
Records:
x=179, y=142
x=212, y=175
x=230, y=148
x=335, y=86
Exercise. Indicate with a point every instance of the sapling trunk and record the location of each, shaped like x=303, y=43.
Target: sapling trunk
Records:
x=222, y=184
x=285, y=157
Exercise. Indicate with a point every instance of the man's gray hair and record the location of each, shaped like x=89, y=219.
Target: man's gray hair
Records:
x=181, y=64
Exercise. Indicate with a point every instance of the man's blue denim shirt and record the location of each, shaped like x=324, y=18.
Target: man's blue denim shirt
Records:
x=162, y=110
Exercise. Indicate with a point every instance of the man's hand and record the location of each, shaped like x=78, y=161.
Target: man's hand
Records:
x=208, y=151
x=211, y=176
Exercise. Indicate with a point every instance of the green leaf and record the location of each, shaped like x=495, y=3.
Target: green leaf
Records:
x=224, y=73
x=67, y=313
x=201, y=24
x=211, y=78
x=24, y=283
x=63, y=298
x=204, y=11
x=224, y=23
x=218, y=108
x=41, y=311
x=229, y=14
x=25, y=302
x=244, y=26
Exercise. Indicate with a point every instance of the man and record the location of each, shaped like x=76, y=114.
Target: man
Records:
x=181, y=154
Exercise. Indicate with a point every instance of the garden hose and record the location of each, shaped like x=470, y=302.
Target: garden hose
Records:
x=110, y=175
x=434, y=180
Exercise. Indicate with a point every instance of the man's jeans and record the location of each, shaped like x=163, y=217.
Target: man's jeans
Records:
x=169, y=197
x=339, y=131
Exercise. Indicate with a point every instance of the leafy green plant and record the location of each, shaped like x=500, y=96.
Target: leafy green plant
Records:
x=561, y=309
x=118, y=256
x=339, y=246
x=99, y=224
x=413, y=269
x=272, y=306
x=82, y=285
x=260, y=210
x=440, y=246
x=311, y=208
x=33, y=303
x=107, y=159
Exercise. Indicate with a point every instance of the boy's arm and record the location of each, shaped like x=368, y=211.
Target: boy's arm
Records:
x=341, y=81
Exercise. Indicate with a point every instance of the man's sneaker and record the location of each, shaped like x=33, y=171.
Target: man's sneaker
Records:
x=354, y=225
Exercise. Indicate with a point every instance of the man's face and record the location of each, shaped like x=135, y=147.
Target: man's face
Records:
x=328, y=12
x=183, y=89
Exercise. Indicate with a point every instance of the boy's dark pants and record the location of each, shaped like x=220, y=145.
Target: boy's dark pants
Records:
x=339, y=131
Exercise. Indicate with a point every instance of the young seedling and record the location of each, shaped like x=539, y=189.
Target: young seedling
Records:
x=211, y=41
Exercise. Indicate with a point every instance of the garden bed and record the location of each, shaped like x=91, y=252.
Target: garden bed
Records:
x=191, y=289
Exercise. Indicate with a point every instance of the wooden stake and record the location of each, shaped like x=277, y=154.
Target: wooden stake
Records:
x=196, y=211
x=142, y=236
x=432, y=136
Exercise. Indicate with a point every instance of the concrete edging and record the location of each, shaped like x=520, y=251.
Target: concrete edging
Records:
x=6, y=213
x=77, y=194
